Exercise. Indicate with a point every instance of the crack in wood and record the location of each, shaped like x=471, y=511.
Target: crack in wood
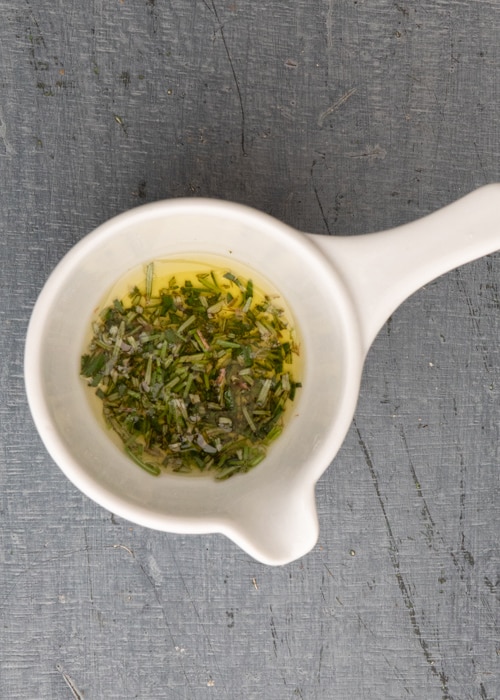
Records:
x=402, y=584
x=213, y=9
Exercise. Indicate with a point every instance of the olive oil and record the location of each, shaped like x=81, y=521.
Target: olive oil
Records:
x=196, y=363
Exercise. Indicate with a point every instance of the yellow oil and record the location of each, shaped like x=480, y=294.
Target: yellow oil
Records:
x=186, y=269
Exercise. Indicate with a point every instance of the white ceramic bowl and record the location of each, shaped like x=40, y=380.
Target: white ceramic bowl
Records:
x=340, y=291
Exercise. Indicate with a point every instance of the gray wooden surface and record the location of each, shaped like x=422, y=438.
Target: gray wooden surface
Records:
x=339, y=117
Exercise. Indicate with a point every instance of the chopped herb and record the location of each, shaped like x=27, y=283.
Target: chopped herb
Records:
x=194, y=378
x=149, y=280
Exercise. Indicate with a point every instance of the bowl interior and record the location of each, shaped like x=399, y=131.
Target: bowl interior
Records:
x=72, y=430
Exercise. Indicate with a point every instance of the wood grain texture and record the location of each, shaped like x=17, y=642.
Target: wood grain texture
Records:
x=338, y=117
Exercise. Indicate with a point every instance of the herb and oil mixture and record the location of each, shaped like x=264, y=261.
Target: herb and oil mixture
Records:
x=194, y=369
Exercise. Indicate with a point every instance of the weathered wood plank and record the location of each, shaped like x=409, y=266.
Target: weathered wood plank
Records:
x=336, y=117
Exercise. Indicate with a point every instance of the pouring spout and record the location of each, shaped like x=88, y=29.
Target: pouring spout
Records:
x=278, y=528
x=381, y=270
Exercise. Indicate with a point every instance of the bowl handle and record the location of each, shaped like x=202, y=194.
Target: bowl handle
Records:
x=383, y=269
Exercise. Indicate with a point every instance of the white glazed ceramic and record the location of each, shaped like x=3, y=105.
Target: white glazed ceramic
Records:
x=341, y=291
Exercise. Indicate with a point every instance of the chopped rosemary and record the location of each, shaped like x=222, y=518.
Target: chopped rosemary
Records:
x=194, y=376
